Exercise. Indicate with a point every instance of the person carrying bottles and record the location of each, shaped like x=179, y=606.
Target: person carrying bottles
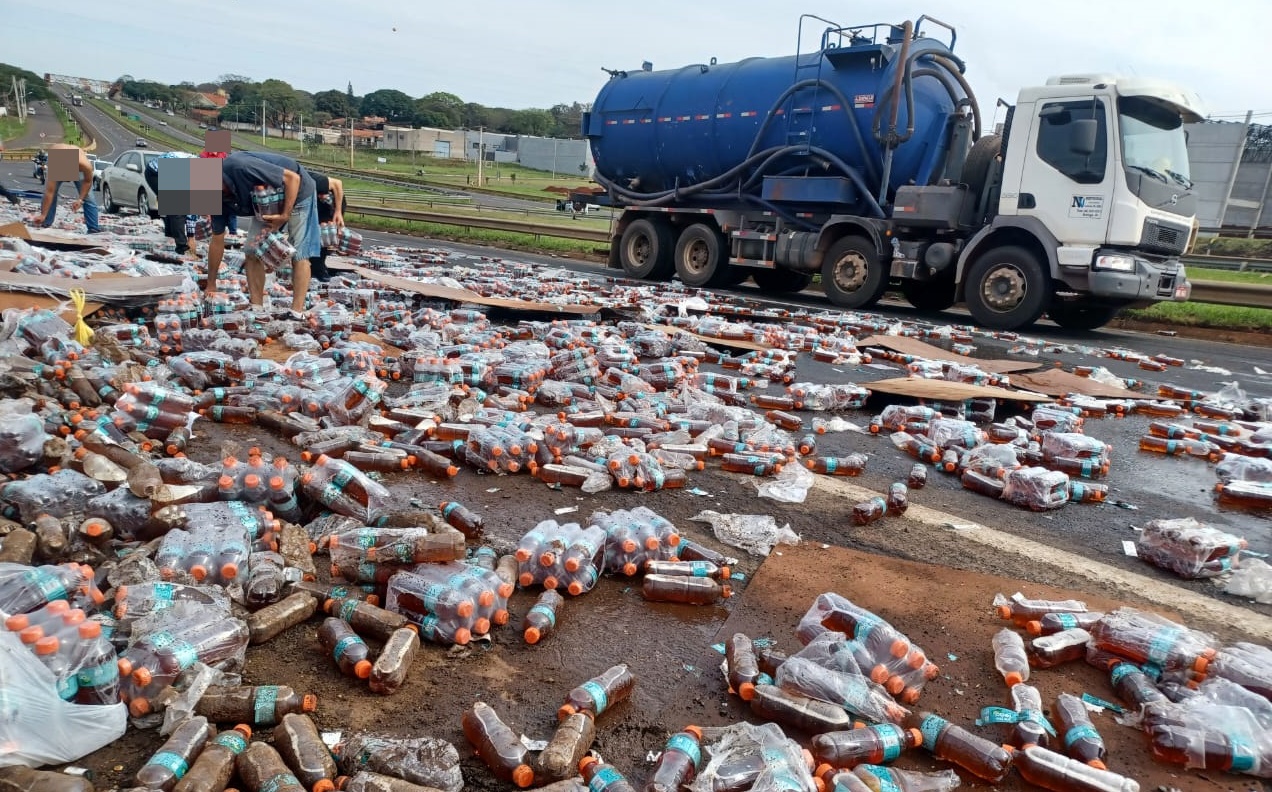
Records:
x=331, y=209
x=231, y=223
x=296, y=216
x=174, y=225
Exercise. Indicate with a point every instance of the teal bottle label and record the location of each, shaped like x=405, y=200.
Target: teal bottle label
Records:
x=1161, y=645
x=160, y=640
x=887, y=782
x=605, y=778
x=163, y=592
x=699, y=569
x=343, y=645
x=686, y=745
x=263, y=704
x=185, y=654
x=832, y=464
x=68, y=686
x=1067, y=620
x=49, y=586
x=347, y=609
x=1083, y=731
x=98, y=676
x=931, y=727
x=232, y=740
x=174, y=762
x=545, y=612
x=1119, y=671
x=597, y=693
x=890, y=738
x=367, y=538
x=278, y=782
x=1244, y=753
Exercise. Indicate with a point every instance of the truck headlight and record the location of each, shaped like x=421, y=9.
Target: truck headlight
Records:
x=1118, y=263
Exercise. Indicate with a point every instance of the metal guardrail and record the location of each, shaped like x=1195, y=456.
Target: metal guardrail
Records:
x=1230, y=263
x=1240, y=295
x=489, y=223
x=373, y=197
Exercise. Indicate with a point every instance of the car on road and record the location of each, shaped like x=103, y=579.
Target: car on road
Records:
x=99, y=167
x=163, y=123
x=141, y=143
x=124, y=184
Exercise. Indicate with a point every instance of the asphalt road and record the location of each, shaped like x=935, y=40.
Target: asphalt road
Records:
x=43, y=129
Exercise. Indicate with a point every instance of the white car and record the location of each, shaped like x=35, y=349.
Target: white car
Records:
x=124, y=184
x=99, y=167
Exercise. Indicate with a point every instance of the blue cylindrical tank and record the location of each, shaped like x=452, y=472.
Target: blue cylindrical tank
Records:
x=656, y=130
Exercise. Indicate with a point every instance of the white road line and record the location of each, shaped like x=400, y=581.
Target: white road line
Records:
x=1195, y=607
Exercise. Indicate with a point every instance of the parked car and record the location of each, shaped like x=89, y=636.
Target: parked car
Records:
x=124, y=184
x=99, y=167
x=141, y=143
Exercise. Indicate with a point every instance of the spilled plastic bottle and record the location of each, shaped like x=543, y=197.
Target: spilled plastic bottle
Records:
x=603, y=777
x=875, y=744
x=391, y=667
x=260, y=705
x=569, y=744
x=1050, y=770
x=1010, y=658
x=599, y=694
x=170, y=763
x=345, y=647
x=212, y=770
x=679, y=762
x=541, y=619
x=742, y=667
x=953, y=743
x=1077, y=733
x=263, y=770
x=685, y=590
x=300, y=745
x=497, y=745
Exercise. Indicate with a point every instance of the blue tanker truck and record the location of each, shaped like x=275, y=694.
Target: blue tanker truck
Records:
x=866, y=162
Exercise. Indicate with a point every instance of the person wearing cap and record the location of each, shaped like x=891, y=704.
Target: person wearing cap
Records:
x=241, y=173
x=331, y=209
x=231, y=222
x=174, y=225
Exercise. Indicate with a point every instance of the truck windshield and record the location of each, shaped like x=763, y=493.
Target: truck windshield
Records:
x=1153, y=140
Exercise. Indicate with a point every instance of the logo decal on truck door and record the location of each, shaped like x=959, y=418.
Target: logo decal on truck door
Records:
x=1087, y=207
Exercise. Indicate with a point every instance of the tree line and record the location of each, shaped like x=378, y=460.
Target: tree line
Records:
x=285, y=105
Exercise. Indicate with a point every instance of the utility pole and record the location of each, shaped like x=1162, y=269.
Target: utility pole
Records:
x=262, y=122
x=481, y=154
x=555, y=145
x=300, y=132
x=350, y=138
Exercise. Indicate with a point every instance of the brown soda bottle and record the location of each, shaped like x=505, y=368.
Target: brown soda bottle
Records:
x=260, y=705
x=277, y=617
x=570, y=743
x=541, y=620
x=792, y=709
x=679, y=762
x=144, y=480
x=50, y=536
x=898, y=498
x=1049, y=770
x=918, y=476
x=875, y=744
x=394, y=662
x=18, y=547
x=345, y=647
x=1077, y=733
x=300, y=745
x=808, y=445
x=689, y=550
x=839, y=780
x=1010, y=658
x=325, y=591
x=600, y=693
x=976, y=755
x=851, y=465
x=367, y=781
x=687, y=569
x=982, y=483
x=1133, y=686
x=171, y=762
x=211, y=772
x=1052, y=623
x=461, y=518
x=1021, y=611
x=365, y=618
x=603, y=778
x=20, y=778
x=869, y=511
x=497, y=745
x=769, y=659
x=684, y=590
x=743, y=668
x=1066, y=646
x=263, y=770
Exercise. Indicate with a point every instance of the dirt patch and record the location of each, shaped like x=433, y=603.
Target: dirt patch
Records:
x=1220, y=334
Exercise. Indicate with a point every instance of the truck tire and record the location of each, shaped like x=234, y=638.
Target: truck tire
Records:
x=936, y=294
x=1007, y=289
x=853, y=274
x=781, y=281
x=645, y=250
x=976, y=166
x=1080, y=315
x=700, y=256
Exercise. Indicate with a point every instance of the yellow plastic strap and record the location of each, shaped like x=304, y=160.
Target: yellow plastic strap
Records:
x=83, y=333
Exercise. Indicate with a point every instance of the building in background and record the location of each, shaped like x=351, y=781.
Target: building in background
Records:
x=1231, y=165
x=560, y=156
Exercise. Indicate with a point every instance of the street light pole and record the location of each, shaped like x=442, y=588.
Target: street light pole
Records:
x=481, y=153
x=262, y=122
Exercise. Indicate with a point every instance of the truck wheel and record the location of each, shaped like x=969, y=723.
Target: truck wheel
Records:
x=852, y=274
x=700, y=256
x=936, y=294
x=1078, y=315
x=1007, y=289
x=645, y=250
x=780, y=281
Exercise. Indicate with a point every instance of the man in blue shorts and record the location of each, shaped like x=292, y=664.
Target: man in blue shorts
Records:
x=241, y=173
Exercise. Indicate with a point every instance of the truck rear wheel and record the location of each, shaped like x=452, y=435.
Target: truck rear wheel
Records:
x=700, y=256
x=779, y=281
x=935, y=294
x=645, y=250
x=852, y=274
x=1079, y=315
x=1007, y=289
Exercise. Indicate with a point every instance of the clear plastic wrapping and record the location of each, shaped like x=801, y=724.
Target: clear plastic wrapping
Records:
x=1189, y=548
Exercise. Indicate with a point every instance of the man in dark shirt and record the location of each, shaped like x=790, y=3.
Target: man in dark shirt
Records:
x=331, y=209
x=241, y=173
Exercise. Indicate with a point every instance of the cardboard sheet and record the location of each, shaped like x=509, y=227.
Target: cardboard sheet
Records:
x=16, y=300
x=45, y=239
x=119, y=291
x=1057, y=382
x=462, y=295
x=913, y=346
x=919, y=388
x=734, y=343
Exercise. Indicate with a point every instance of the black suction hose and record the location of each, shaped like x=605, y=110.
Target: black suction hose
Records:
x=843, y=102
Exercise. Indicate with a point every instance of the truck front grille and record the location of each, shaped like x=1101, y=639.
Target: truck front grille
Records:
x=1160, y=237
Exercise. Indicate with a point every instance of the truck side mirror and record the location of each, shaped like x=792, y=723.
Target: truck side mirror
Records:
x=1082, y=136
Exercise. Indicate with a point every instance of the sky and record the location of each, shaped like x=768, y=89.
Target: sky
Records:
x=537, y=53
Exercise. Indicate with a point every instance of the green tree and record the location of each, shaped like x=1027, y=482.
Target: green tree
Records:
x=474, y=115
x=440, y=110
x=530, y=122
x=333, y=102
x=388, y=103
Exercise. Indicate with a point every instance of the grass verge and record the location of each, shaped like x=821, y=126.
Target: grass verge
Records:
x=70, y=130
x=11, y=128
x=1230, y=276
x=526, y=243
x=1192, y=314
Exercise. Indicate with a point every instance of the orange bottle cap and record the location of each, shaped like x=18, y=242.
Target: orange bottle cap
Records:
x=695, y=731
x=586, y=761
x=125, y=667
x=199, y=572
x=746, y=691
x=1013, y=678
x=895, y=685
x=363, y=669
x=244, y=730
x=32, y=634
x=1201, y=665
x=229, y=571
x=532, y=635
x=463, y=635
x=47, y=645
x=139, y=707
x=879, y=674
x=1033, y=627
x=142, y=677
x=575, y=588
x=523, y=776
x=17, y=622
x=726, y=591
x=480, y=627
x=324, y=785
x=900, y=648
x=342, y=782
x=1097, y=764
x=308, y=703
